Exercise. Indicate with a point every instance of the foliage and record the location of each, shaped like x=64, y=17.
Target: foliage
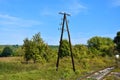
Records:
x=117, y=41
x=18, y=51
x=80, y=51
x=54, y=47
x=36, y=49
x=0, y=52
x=7, y=51
x=64, y=49
x=27, y=49
x=102, y=45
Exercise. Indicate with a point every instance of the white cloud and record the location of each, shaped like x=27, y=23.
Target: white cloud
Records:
x=116, y=3
x=72, y=6
x=7, y=20
x=75, y=8
x=15, y=29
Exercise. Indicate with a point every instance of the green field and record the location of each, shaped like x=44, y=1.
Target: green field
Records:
x=12, y=68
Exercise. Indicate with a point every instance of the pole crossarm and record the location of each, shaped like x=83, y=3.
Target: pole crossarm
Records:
x=64, y=13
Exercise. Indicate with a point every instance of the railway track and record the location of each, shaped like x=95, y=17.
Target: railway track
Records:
x=98, y=75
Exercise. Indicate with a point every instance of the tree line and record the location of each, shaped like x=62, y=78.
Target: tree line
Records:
x=37, y=50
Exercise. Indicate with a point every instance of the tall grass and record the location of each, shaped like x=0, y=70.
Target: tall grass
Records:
x=15, y=67
x=15, y=70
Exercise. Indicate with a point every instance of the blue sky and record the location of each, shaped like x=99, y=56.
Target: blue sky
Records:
x=24, y=18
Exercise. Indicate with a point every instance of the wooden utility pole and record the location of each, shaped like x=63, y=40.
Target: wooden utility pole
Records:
x=61, y=38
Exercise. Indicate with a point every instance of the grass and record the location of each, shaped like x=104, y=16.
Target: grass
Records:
x=12, y=69
x=11, y=59
x=19, y=71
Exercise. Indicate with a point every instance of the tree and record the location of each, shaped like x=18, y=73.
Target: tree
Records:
x=7, y=51
x=36, y=49
x=18, y=51
x=101, y=45
x=39, y=49
x=27, y=49
x=80, y=50
x=65, y=49
x=0, y=52
x=117, y=41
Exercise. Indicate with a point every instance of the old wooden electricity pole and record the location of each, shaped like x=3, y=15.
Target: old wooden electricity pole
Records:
x=70, y=46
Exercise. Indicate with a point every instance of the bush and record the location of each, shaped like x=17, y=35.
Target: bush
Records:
x=64, y=49
x=7, y=51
